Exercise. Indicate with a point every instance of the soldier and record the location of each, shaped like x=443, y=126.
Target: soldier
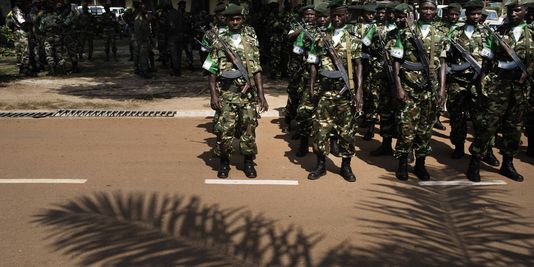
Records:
x=142, y=43
x=529, y=120
x=177, y=31
x=187, y=42
x=275, y=29
x=50, y=26
x=236, y=100
x=162, y=31
x=218, y=26
x=419, y=61
x=16, y=21
x=87, y=31
x=505, y=92
x=70, y=30
x=37, y=54
x=129, y=18
x=110, y=28
x=463, y=81
x=338, y=54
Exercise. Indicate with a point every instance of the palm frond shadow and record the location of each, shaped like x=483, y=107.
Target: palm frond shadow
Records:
x=440, y=226
x=117, y=229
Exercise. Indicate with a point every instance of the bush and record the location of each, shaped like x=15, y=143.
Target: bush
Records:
x=6, y=42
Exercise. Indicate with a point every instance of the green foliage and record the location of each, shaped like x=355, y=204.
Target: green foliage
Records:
x=6, y=42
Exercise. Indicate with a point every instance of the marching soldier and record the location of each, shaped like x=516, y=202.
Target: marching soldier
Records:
x=235, y=82
x=505, y=92
x=110, y=28
x=142, y=43
x=87, y=31
x=50, y=26
x=16, y=21
x=70, y=26
x=338, y=56
x=419, y=61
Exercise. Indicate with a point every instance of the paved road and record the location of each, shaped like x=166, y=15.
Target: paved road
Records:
x=145, y=203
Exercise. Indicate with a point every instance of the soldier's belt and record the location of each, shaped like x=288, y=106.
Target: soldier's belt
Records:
x=414, y=66
x=231, y=74
x=332, y=74
x=507, y=65
x=459, y=67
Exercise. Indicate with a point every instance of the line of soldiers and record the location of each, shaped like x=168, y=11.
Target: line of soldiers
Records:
x=401, y=73
x=52, y=34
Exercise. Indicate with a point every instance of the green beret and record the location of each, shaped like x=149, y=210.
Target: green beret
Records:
x=304, y=8
x=336, y=3
x=233, y=10
x=474, y=4
x=381, y=6
x=403, y=8
x=369, y=8
x=322, y=8
x=454, y=6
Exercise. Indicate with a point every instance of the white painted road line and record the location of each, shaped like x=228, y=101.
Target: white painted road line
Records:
x=448, y=183
x=43, y=181
x=251, y=182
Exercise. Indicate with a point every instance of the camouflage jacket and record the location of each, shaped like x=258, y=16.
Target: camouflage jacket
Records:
x=51, y=23
x=519, y=38
x=472, y=38
x=109, y=21
x=404, y=50
x=210, y=34
x=376, y=40
x=244, y=44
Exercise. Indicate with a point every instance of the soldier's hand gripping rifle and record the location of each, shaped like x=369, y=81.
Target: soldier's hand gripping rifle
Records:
x=338, y=63
x=468, y=57
x=422, y=55
x=510, y=51
x=236, y=60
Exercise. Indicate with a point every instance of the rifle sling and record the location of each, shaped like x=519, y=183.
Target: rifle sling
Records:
x=349, y=60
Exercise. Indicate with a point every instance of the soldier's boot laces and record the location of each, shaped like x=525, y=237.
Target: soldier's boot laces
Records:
x=334, y=147
x=249, y=169
x=402, y=170
x=420, y=169
x=508, y=169
x=473, y=171
x=490, y=159
x=224, y=168
x=346, y=170
x=384, y=149
x=458, y=152
x=370, y=133
x=303, y=147
x=320, y=170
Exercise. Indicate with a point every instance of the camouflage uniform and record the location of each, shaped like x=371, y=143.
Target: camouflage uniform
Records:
x=16, y=20
x=417, y=115
x=70, y=37
x=335, y=112
x=294, y=88
x=504, y=99
x=50, y=26
x=142, y=45
x=276, y=30
x=87, y=33
x=162, y=32
x=110, y=27
x=372, y=70
x=237, y=108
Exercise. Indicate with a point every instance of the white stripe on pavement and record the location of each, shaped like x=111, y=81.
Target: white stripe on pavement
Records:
x=251, y=182
x=447, y=183
x=43, y=181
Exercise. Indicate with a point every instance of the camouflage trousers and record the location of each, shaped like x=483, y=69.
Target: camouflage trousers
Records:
x=294, y=87
x=371, y=99
x=275, y=52
x=71, y=45
x=415, y=119
x=240, y=113
x=333, y=114
x=460, y=102
x=505, y=105
x=109, y=41
x=88, y=38
x=53, y=51
x=22, y=48
x=141, y=56
x=305, y=113
x=386, y=108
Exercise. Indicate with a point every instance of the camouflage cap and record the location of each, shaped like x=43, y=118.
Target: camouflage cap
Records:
x=474, y=4
x=322, y=8
x=454, y=6
x=233, y=10
x=403, y=8
x=304, y=8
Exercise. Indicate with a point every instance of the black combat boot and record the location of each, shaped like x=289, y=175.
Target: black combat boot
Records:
x=473, y=171
x=402, y=170
x=334, y=148
x=346, y=170
x=508, y=169
x=287, y=121
x=458, y=152
x=249, y=169
x=224, y=168
x=420, y=170
x=320, y=170
x=384, y=149
x=303, y=147
x=370, y=133
x=490, y=159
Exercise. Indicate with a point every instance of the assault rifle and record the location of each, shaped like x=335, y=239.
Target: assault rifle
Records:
x=236, y=60
x=339, y=64
x=422, y=55
x=510, y=51
x=387, y=59
x=468, y=57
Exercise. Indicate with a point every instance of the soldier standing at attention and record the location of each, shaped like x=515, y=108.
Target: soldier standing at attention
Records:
x=71, y=23
x=339, y=54
x=110, y=28
x=87, y=32
x=16, y=21
x=233, y=98
x=176, y=40
x=419, y=63
x=142, y=43
x=505, y=92
x=463, y=82
x=50, y=26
